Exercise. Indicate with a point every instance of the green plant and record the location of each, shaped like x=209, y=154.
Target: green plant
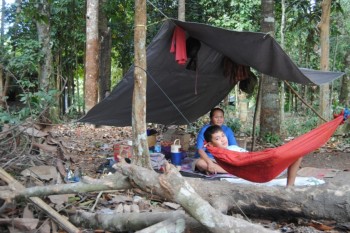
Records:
x=234, y=124
x=295, y=127
x=272, y=138
x=7, y=118
x=36, y=102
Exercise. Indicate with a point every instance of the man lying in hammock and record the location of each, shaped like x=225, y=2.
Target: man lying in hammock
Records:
x=215, y=137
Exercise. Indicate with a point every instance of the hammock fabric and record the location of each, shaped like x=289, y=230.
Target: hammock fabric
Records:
x=263, y=166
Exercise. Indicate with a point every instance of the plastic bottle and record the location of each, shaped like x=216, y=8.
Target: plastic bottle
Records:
x=69, y=174
x=77, y=174
x=157, y=147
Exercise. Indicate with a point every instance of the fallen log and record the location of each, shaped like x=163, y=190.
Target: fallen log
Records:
x=123, y=222
x=166, y=226
x=324, y=202
x=174, y=187
x=313, y=202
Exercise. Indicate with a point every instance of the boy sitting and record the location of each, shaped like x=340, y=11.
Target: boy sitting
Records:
x=215, y=136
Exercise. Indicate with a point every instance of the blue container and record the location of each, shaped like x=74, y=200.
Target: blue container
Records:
x=176, y=158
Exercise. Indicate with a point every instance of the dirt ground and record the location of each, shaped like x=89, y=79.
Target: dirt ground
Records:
x=335, y=160
x=87, y=143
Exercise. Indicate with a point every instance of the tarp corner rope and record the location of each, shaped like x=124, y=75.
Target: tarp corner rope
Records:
x=160, y=88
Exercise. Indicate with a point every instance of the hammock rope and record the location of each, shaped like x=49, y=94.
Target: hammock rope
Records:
x=263, y=166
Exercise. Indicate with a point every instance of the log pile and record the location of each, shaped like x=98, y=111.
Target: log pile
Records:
x=205, y=204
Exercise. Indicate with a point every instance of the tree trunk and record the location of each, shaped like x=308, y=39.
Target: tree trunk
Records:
x=325, y=107
x=182, y=10
x=2, y=80
x=105, y=54
x=243, y=107
x=140, y=144
x=58, y=85
x=43, y=27
x=344, y=98
x=270, y=119
x=92, y=55
x=2, y=30
x=46, y=79
x=2, y=88
x=282, y=88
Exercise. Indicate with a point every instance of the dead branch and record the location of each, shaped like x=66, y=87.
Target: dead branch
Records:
x=166, y=226
x=173, y=186
x=24, y=224
x=122, y=222
x=59, y=219
x=87, y=184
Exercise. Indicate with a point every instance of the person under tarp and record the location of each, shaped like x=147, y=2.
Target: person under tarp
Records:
x=263, y=166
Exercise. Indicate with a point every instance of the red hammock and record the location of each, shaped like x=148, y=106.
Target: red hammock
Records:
x=263, y=166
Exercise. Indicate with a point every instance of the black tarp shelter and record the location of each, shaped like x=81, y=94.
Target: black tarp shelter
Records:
x=176, y=95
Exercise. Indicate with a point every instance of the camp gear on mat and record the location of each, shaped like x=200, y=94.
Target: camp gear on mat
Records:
x=176, y=154
x=176, y=146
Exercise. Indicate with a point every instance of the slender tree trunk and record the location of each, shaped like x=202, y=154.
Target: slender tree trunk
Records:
x=92, y=55
x=344, y=98
x=325, y=107
x=182, y=10
x=2, y=90
x=46, y=78
x=243, y=107
x=2, y=80
x=2, y=23
x=305, y=95
x=270, y=119
x=43, y=27
x=283, y=25
x=105, y=54
x=58, y=84
x=140, y=144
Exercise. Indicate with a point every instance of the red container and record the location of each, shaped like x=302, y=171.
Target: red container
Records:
x=122, y=151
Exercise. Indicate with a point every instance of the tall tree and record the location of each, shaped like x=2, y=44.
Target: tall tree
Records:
x=325, y=107
x=2, y=80
x=139, y=130
x=92, y=54
x=270, y=104
x=44, y=29
x=105, y=52
x=283, y=26
x=182, y=10
x=344, y=97
x=2, y=22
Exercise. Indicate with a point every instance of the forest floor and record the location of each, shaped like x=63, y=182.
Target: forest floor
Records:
x=87, y=147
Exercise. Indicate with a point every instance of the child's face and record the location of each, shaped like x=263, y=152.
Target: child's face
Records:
x=219, y=139
x=217, y=118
